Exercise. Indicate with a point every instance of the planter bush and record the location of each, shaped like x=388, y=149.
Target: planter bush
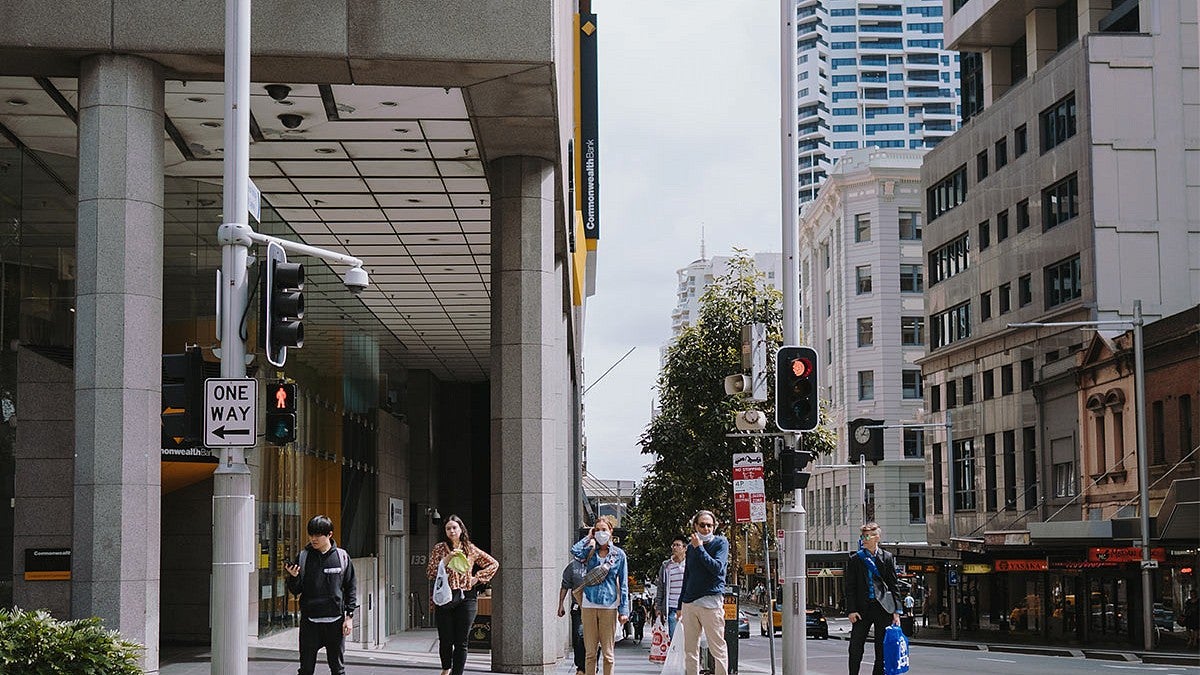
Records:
x=34, y=643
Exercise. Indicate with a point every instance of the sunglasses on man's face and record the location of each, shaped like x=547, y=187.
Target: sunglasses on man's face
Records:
x=705, y=525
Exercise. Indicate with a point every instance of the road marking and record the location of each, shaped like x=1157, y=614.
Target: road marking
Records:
x=1143, y=668
x=984, y=658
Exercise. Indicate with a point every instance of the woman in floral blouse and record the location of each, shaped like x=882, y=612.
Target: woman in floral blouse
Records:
x=454, y=618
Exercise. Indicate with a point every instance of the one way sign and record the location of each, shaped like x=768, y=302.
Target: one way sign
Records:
x=230, y=412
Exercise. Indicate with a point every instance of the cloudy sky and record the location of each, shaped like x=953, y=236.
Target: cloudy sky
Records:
x=689, y=139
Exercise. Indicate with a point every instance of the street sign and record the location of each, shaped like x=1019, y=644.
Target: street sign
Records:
x=254, y=200
x=749, y=491
x=1149, y=564
x=952, y=577
x=230, y=412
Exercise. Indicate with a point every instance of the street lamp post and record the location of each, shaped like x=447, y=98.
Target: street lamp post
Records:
x=1139, y=404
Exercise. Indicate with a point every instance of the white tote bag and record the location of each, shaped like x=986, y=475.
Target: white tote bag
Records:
x=441, y=586
x=674, y=663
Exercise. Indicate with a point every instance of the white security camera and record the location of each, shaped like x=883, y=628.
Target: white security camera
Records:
x=737, y=384
x=356, y=280
x=750, y=420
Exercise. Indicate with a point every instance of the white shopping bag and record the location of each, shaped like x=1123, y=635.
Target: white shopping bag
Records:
x=674, y=664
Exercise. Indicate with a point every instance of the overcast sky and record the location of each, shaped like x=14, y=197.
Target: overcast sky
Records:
x=689, y=138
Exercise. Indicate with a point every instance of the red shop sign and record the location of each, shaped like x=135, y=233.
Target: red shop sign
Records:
x=1123, y=554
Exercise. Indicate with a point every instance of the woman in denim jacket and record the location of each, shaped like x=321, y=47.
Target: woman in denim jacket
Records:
x=606, y=603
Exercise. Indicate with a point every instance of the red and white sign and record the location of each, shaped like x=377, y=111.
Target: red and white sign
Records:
x=749, y=492
x=1123, y=554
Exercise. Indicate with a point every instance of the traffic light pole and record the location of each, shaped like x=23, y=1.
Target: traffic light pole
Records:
x=795, y=587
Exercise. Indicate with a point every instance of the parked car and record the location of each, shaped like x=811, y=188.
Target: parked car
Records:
x=743, y=625
x=1163, y=617
x=815, y=624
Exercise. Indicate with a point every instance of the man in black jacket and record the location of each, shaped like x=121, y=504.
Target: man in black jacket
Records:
x=325, y=585
x=871, y=596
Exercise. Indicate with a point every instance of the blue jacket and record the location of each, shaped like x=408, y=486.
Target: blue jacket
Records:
x=705, y=570
x=615, y=585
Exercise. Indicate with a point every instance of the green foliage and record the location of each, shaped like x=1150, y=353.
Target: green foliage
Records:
x=34, y=643
x=691, y=453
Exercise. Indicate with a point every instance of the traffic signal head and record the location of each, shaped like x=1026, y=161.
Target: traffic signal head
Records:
x=282, y=291
x=183, y=399
x=281, y=428
x=793, y=469
x=796, y=405
x=281, y=397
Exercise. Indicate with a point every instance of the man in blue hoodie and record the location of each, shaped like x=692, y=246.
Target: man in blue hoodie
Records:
x=701, y=602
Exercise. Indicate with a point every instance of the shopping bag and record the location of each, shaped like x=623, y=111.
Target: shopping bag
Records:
x=442, y=595
x=658, y=642
x=674, y=664
x=895, y=651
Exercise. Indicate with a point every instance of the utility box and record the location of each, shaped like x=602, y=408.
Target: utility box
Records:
x=732, y=610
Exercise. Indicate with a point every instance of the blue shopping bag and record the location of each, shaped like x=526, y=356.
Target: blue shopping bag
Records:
x=895, y=651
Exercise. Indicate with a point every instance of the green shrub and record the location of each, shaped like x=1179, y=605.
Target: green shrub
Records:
x=34, y=643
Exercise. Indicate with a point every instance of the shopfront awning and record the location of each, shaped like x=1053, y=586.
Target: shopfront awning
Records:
x=1179, y=516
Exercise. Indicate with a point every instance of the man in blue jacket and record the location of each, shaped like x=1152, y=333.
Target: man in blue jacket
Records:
x=701, y=602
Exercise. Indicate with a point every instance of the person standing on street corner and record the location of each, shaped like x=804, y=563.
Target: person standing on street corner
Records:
x=871, y=596
x=454, y=618
x=605, y=600
x=670, y=583
x=702, y=600
x=572, y=578
x=323, y=578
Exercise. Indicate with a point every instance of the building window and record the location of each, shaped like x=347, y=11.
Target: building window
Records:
x=1001, y=153
x=1060, y=202
x=866, y=332
x=1018, y=66
x=1024, y=290
x=935, y=398
x=985, y=235
x=1002, y=294
x=862, y=227
x=911, y=384
x=866, y=385
x=989, y=384
x=947, y=193
x=985, y=305
x=1002, y=226
x=971, y=80
x=1185, y=425
x=912, y=331
x=828, y=305
x=1022, y=215
x=910, y=225
x=1066, y=23
x=1029, y=440
x=981, y=166
x=1118, y=437
x=1064, y=479
x=989, y=472
x=1099, y=449
x=1020, y=137
x=914, y=443
x=937, y=479
x=1159, y=443
x=964, y=475
x=916, y=503
x=1058, y=123
x=1063, y=282
x=950, y=259
x=968, y=389
x=825, y=254
x=1026, y=374
x=1010, y=470
x=951, y=394
x=1006, y=379
x=862, y=279
x=950, y=326
x=912, y=279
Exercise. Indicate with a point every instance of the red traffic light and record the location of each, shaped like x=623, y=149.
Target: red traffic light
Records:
x=802, y=367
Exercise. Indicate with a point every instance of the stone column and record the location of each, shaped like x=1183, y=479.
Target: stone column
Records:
x=997, y=71
x=1041, y=39
x=527, y=475
x=118, y=342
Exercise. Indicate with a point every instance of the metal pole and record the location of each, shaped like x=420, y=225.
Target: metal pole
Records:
x=862, y=484
x=953, y=525
x=770, y=596
x=232, y=501
x=795, y=593
x=1139, y=391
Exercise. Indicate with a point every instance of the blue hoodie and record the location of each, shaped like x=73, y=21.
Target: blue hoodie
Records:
x=705, y=570
x=616, y=584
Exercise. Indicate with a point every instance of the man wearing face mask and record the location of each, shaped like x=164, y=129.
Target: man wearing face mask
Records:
x=701, y=602
x=871, y=596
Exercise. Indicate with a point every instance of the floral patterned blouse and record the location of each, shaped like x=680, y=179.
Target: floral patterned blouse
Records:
x=484, y=566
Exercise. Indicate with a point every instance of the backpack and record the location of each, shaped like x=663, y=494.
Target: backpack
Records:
x=343, y=558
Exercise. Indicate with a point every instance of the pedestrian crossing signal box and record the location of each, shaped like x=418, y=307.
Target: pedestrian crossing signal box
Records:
x=281, y=413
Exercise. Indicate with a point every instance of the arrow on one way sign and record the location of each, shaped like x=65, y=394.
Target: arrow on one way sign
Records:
x=230, y=412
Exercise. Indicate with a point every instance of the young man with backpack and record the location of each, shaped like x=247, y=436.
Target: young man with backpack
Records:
x=323, y=578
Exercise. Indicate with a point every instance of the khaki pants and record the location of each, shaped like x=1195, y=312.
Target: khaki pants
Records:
x=598, y=628
x=712, y=622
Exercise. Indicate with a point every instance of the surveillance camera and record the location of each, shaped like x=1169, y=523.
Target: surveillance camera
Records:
x=291, y=121
x=278, y=91
x=356, y=280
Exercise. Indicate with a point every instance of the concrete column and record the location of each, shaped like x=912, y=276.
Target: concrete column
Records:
x=1041, y=38
x=997, y=74
x=118, y=340
x=527, y=477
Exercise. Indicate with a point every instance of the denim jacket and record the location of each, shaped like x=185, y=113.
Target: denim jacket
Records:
x=615, y=585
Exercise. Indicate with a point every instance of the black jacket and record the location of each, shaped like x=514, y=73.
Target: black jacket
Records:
x=857, y=578
x=325, y=589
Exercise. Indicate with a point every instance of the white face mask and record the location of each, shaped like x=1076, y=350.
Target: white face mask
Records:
x=602, y=536
x=706, y=537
